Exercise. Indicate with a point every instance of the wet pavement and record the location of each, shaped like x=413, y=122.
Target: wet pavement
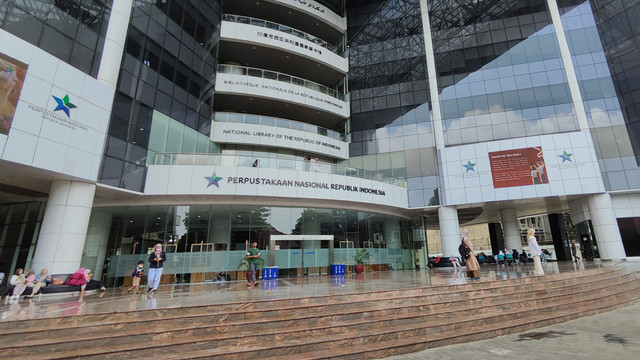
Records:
x=180, y=295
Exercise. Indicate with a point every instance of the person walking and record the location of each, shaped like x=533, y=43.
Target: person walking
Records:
x=137, y=275
x=535, y=251
x=156, y=262
x=252, y=256
x=574, y=251
x=473, y=267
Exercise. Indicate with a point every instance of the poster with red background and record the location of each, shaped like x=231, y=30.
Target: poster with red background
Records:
x=518, y=167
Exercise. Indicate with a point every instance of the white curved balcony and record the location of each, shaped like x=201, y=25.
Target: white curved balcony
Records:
x=240, y=80
x=258, y=32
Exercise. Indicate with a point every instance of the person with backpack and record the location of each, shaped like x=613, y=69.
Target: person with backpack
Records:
x=466, y=252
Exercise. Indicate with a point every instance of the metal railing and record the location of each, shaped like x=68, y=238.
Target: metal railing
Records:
x=274, y=75
x=240, y=118
x=285, y=29
x=274, y=163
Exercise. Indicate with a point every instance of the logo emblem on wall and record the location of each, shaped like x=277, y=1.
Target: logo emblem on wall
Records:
x=469, y=166
x=64, y=105
x=213, y=179
x=565, y=156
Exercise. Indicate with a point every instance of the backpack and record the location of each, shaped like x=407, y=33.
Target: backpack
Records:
x=464, y=251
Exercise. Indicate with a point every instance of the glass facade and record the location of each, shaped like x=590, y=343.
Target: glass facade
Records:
x=169, y=67
x=500, y=73
x=72, y=30
x=19, y=228
x=388, y=87
x=213, y=238
x=605, y=66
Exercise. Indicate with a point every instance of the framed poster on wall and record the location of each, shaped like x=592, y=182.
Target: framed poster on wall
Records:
x=518, y=167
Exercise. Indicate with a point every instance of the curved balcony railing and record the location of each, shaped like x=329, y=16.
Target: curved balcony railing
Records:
x=274, y=163
x=285, y=29
x=274, y=75
x=278, y=122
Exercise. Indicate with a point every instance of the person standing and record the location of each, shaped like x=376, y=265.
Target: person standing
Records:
x=307, y=161
x=535, y=251
x=574, y=251
x=473, y=267
x=156, y=262
x=252, y=256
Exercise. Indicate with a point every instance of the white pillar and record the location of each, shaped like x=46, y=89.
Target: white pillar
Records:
x=64, y=227
x=510, y=229
x=605, y=227
x=449, y=230
x=95, y=247
x=114, y=42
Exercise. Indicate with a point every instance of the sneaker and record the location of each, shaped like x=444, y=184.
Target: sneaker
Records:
x=149, y=291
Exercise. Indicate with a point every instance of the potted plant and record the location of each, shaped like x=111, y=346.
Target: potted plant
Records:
x=360, y=258
x=244, y=265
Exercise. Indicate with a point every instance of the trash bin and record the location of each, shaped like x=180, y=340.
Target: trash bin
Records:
x=270, y=273
x=337, y=269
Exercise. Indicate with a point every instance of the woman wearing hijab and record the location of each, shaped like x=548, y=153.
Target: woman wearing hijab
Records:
x=156, y=261
x=535, y=251
x=473, y=267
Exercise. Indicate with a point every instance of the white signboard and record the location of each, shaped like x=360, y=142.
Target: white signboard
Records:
x=234, y=133
x=269, y=182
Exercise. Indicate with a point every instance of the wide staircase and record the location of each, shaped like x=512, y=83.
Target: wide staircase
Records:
x=349, y=326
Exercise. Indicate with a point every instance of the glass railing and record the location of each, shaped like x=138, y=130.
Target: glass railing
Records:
x=285, y=29
x=274, y=75
x=281, y=123
x=274, y=163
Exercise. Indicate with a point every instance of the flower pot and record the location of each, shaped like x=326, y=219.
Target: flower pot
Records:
x=358, y=269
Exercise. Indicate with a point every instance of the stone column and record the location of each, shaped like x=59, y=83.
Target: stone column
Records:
x=511, y=229
x=64, y=227
x=449, y=230
x=605, y=227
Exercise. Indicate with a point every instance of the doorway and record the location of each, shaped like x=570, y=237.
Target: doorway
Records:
x=298, y=255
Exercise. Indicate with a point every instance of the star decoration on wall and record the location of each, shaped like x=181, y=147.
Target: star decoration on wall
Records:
x=565, y=156
x=64, y=104
x=213, y=179
x=469, y=166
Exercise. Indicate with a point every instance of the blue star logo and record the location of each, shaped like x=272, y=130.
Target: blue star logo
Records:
x=64, y=105
x=213, y=179
x=469, y=166
x=565, y=156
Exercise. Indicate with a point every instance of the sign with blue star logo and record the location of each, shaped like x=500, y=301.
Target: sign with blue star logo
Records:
x=469, y=166
x=64, y=104
x=565, y=156
x=213, y=179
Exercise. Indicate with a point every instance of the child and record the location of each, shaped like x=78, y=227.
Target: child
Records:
x=137, y=275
